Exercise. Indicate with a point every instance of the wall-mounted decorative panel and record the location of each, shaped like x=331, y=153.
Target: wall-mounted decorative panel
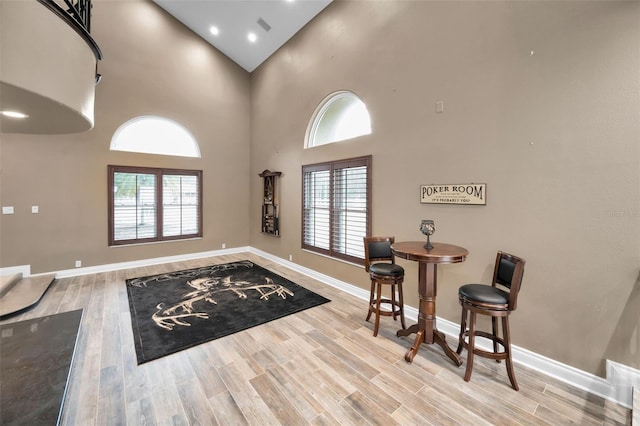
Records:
x=270, y=202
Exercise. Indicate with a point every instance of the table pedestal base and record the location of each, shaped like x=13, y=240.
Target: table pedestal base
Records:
x=428, y=260
x=438, y=337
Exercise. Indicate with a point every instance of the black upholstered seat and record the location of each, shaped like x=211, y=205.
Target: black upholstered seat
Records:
x=495, y=302
x=383, y=271
x=481, y=293
x=386, y=269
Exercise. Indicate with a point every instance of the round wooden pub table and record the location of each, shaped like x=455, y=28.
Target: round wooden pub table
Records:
x=425, y=329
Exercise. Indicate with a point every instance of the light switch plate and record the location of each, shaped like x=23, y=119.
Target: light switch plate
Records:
x=7, y=209
x=34, y=209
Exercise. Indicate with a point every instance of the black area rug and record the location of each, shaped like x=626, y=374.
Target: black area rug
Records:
x=175, y=311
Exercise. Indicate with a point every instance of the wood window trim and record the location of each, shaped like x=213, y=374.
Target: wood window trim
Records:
x=159, y=173
x=332, y=166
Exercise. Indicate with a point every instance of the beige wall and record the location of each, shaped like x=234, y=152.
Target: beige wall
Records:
x=554, y=135
x=541, y=104
x=152, y=65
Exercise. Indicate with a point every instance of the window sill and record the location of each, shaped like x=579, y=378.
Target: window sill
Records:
x=333, y=258
x=155, y=242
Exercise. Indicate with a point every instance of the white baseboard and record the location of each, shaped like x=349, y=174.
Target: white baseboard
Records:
x=25, y=270
x=618, y=386
x=147, y=262
x=624, y=380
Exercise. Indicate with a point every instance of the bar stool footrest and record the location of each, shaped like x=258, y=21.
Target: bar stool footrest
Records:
x=481, y=352
x=394, y=306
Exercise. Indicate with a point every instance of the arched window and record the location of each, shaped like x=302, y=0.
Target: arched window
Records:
x=151, y=204
x=155, y=135
x=341, y=115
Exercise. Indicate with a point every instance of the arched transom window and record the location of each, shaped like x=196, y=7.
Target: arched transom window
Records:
x=340, y=116
x=155, y=135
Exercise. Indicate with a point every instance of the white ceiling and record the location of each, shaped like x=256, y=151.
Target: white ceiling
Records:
x=237, y=18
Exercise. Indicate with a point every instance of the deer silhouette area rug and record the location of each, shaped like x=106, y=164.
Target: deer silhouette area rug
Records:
x=177, y=310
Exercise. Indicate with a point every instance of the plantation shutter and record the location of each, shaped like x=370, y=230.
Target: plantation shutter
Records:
x=336, y=215
x=179, y=205
x=349, y=220
x=147, y=204
x=316, y=209
x=134, y=206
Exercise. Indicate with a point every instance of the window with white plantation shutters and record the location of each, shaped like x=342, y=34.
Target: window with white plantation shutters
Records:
x=147, y=204
x=336, y=215
x=180, y=205
x=134, y=206
x=316, y=208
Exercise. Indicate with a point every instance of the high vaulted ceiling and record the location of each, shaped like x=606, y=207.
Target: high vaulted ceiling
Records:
x=273, y=22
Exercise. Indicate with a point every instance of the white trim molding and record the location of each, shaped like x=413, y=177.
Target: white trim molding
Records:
x=624, y=380
x=25, y=270
x=148, y=262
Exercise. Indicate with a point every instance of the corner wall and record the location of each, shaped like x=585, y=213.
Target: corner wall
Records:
x=541, y=104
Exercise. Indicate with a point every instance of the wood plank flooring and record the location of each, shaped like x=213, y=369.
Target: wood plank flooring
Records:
x=321, y=366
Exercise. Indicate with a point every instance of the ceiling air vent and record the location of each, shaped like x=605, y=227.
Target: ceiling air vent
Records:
x=264, y=24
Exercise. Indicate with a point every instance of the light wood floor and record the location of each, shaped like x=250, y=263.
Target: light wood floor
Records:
x=320, y=366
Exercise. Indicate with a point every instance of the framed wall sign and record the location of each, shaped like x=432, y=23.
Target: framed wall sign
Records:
x=454, y=193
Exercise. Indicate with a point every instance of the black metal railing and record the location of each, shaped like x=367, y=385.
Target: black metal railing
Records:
x=77, y=13
x=81, y=12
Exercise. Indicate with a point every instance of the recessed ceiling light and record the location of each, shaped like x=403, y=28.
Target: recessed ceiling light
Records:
x=214, y=30
x=13, y=114
x=252, y=37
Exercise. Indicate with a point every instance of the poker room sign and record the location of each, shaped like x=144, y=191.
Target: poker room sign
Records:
x=462, y=193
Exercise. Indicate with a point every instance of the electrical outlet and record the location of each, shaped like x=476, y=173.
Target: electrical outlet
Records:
x=35, y=209
x=7, y=209
x=78, y=263
x=224, y=245
x=290, y=258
